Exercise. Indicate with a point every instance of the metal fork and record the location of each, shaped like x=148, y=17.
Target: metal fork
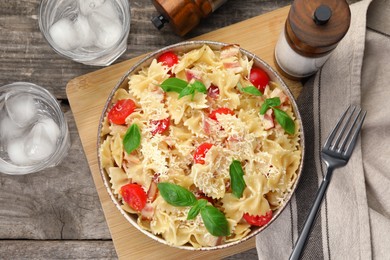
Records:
x=336, y=153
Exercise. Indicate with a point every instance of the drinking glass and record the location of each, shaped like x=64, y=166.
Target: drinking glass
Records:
x=92, y=32
x=34, y=133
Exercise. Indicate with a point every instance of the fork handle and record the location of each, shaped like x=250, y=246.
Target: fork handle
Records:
x=307, y=227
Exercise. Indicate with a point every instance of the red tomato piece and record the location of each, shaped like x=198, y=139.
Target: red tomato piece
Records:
x=120, y=111
x=221, y=110
x=168, y=58
x=213, y=91
x=259, y=78
x=160, y=125
x=134, y=195
x=200, y=152
x=258, y=220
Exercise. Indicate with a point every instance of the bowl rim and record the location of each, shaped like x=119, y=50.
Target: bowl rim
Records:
x=188, y=45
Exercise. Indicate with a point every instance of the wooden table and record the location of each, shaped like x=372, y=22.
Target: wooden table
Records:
x=56, y=213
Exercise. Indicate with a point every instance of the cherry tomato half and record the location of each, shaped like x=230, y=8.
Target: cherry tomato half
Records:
x=258, y=220
x=134, y=195
x=259, y=78
x=168, y=58
x=221, y=110
x=160, y=125
x=120, y=111
x=200, y=152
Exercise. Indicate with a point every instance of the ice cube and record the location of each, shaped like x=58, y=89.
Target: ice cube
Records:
x=64, y=34
x=85, y=33
x=16, y=152
x=108, y=10
x=108, y=31
x=39, y=145
x=51, y=129
x=21, y=108
x=8, y=129
x=89, y=6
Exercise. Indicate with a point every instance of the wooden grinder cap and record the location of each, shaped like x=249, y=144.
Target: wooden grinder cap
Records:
x=182, y=15
x=315, y=27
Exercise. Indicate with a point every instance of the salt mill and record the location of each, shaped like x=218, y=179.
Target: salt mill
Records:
x=312, y=31
x=183, y=15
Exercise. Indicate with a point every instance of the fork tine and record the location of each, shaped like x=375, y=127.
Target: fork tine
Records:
x=343, y=130
x=331, y=136
x=348, y=133
x=351, y=145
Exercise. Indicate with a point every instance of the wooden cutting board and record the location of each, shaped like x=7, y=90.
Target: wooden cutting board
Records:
x=87, y=95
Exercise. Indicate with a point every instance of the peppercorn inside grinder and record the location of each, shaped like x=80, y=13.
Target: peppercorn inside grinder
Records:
x=183, y=15
x=312, y=31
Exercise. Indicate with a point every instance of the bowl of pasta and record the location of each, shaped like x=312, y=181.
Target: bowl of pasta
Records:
x=200, y=145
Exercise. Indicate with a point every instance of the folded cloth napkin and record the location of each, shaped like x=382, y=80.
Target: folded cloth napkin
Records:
x=354, y=222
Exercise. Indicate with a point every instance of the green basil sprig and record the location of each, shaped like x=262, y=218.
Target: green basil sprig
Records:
x=183, y=87
x=237, y=181
x=213, y=219
x=194, y=211
x=281, y=117
x=249, y=90
x=132, y=138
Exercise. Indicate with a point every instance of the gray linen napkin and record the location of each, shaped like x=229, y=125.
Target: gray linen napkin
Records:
x=354, y=222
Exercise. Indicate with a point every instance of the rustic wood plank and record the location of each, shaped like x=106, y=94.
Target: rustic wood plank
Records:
x=75, y=249
x=71, y=249
x=57, y=203
x=82, y=249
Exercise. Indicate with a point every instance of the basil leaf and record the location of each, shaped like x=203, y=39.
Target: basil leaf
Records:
x=176, y=195
x=189, y=90
x=264, y=108
x=200, y=87
x=273, y=102
x=132, y=138
x=174, y=85
x=285, y=121
x=269, y=102
x=237, y=178
x=252, y=90
x=215, y=221
x=194, y=211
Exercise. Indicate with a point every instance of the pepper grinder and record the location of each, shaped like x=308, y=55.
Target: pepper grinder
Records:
x=312, y=31
x=183, y=15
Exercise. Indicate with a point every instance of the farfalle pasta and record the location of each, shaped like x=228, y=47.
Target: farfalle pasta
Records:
x=192, y=120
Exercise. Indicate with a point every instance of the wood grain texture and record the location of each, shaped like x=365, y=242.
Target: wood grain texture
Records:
x=57, y=203
x=57, y=249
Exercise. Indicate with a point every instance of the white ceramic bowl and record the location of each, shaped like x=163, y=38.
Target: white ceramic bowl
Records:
x=185, y=47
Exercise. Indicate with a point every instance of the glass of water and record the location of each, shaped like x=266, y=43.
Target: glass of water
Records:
x=34, y=133
x=92, y=32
